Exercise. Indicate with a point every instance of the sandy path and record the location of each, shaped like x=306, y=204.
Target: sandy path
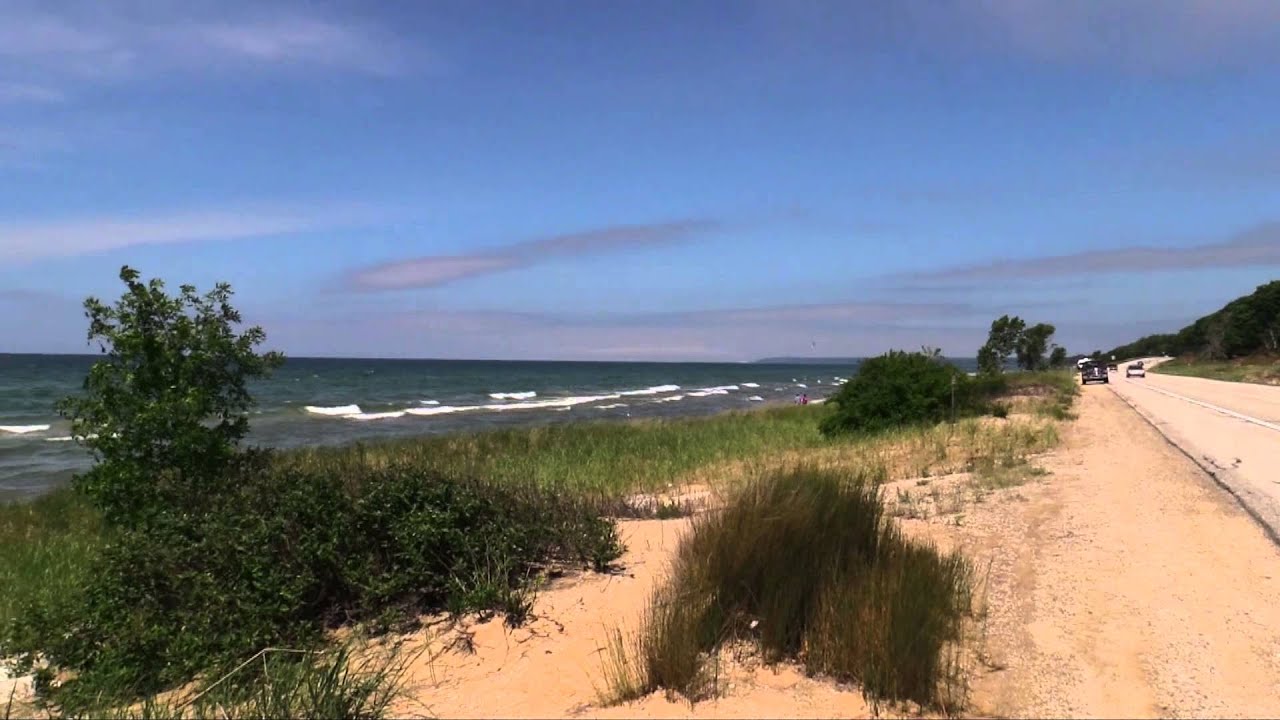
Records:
x=1139, y=588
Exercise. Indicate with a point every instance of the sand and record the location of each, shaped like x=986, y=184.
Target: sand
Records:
x=1123, y=582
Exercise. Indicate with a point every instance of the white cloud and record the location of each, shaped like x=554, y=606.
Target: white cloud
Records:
x=22, y=242
x=47, y=46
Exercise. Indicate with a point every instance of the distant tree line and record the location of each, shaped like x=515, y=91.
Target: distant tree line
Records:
x=1245, y=326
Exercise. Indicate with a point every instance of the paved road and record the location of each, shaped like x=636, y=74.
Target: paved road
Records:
x=1237, y=440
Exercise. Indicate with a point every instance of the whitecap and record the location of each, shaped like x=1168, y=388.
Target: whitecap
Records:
x=706, y=393
x=801, y=385
x=651, y=390
x=23, y=429
x=428, y=402
x=751, y=385
x=441, y=410
x=376, y=416
x=755, y=398
x=514, y=395
x=62, y=438
x=335, y=410
x=552, y=403
x=611, y=406
x=670, y=398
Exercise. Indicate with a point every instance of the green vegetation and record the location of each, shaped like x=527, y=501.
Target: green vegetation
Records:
x=1257, y=369
x=805, y=564
x=1246, y=326
x=895, y=390
x=181, y=554
x=1028, y=344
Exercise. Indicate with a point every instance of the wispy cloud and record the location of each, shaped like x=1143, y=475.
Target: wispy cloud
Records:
x=1259, y=246
x=851, y=328
x=20, y=242
x=46, y=47
x=1134, y=37
x=437, y=270
x=15, y=92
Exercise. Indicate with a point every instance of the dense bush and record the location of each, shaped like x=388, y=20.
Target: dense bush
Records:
x=291, y=552
x=805, y=564
x=898, y=389
x=212, y=552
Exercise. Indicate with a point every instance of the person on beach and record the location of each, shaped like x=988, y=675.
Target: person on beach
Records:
x=797, y=400
x=804, y=399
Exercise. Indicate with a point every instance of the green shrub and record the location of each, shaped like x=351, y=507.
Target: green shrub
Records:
x=805, y=564
x=290, y=552
x=897, y=389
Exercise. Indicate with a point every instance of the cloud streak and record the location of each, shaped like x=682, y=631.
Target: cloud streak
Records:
x=47, y=46
x=25, y=242
x=437, y=270
x=1259, y=246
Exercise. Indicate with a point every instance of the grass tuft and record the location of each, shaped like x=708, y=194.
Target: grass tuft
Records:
x=805, y=564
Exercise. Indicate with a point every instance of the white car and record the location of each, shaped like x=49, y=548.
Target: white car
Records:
x=1135, y=370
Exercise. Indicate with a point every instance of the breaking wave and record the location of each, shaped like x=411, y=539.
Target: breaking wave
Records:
x=335, y=410
x=22, y=429
x=514, y=395
x=656, y=389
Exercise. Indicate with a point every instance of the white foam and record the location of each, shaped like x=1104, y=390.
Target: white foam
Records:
x=611, y=406
x=441, y=410
x=63, y=438
x=552, y=403
x=756, y=398
x=669, y=398
x=428, y=402
x=751, y=385
x=23, y=429
x=376, y=416
x=801, y=385
x=710, y=391
x=652, y=390
x=335, y=410
x=514, y=395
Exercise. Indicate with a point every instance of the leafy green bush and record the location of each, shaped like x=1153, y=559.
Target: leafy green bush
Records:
x=898, y=389
x=211, y=552
x=290, y=552
x=805, y=564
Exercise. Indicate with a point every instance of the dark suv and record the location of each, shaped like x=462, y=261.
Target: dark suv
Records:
x=1094, y=372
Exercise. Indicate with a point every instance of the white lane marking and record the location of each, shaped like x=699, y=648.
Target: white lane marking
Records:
x=1215, y=408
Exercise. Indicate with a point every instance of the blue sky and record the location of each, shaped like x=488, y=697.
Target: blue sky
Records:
x=641, y=180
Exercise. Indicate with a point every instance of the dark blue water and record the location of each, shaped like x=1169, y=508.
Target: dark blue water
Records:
x=331, y=401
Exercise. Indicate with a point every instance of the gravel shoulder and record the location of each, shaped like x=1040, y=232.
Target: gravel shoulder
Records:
x=1136, y=588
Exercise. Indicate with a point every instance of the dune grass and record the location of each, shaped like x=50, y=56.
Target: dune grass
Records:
x=48, y=547
x=804, y=564
x=344, y=682
x=1262, y=370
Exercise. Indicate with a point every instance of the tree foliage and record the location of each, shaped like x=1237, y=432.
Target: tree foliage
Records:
x=164, y=410
x=896, y=389
x=1244, y=326
x=1011, y=336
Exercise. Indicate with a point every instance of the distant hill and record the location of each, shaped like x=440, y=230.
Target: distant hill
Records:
x=1248, y=325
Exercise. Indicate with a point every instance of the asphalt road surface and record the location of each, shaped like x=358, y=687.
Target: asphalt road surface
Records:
x=1231, y=429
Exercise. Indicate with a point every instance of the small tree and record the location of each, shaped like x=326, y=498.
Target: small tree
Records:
x=1002, y=341
x=894, y=390
x=164, y=410
x=1032, y=343
x=1058, y=357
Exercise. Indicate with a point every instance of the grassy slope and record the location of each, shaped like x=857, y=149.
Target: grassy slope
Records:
x=46, y=544
x=1261, y=370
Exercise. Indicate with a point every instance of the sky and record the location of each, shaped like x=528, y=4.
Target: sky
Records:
x=641, y=180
